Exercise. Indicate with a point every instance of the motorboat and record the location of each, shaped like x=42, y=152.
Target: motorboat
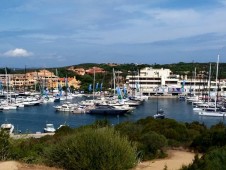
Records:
x=57, y=99
x=212, y=114
x=108, y=110
x=49, y=128
x=66, y=107
x=8, y=127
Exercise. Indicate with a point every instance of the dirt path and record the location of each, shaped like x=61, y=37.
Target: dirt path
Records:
x=13, y=165
x=174, y=161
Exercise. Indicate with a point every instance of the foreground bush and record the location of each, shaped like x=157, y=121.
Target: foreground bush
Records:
x=214, y=137
x=152, y=143
x=214, y=159
x=100, y=149
x=4, y=145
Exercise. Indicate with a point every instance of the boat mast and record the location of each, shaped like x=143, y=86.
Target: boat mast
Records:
x=93, y=82
x=57, y=84
x=209, y=84
x=139, y=86
x=194, y=82
x=6, y=82
x=35, y=82
x=114, y=81
x=25, y=77
x=157, y=104
x=216, y=83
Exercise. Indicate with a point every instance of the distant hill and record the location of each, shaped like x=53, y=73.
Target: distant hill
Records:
x=177, y=68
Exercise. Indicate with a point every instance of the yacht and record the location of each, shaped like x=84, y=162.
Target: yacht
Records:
x=108, y=110
x=49, y=128
x=213, y=114
x=8, y=127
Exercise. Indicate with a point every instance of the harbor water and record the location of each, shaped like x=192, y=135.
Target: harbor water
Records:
x=33, y=119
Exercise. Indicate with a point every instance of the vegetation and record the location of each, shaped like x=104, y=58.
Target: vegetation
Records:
x=101, y=145
x=214, y=159
x=93, y=149
x=4, y=145
x=126, y=69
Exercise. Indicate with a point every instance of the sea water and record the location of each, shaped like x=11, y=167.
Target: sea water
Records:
x=33, y=119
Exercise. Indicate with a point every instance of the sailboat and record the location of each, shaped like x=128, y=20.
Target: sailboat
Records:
x=215, y=112
x=8, y=102
x=159, y=113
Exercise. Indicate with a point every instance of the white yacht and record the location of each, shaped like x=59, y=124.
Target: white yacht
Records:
x=49, y=128
x=213, y=114
x=8, y=127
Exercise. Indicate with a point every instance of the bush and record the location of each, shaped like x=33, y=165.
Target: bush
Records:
x=213, y=160
x=4, y=145
x=90, y=149
x=29, y=150
x=152, y=143
x=208, y=140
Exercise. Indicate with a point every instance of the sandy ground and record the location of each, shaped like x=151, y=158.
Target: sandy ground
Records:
x=13, y=165
x=174, y=161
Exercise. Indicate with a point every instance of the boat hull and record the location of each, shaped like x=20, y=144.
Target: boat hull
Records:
x=102, y=110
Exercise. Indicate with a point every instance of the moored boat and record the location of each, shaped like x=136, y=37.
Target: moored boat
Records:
x=159, y=115
x=49, y=128
x=8, y=127
x=213, y=113
x=108, y=110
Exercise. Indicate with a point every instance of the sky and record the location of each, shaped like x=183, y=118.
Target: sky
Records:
x=55, y=33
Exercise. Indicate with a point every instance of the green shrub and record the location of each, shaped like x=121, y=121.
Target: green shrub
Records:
x=4, y=145
x=152, y=144
x=28, y=150
x=214, y=159
x=89, y=149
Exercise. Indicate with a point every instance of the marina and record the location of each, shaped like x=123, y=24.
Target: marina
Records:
x=34, y=118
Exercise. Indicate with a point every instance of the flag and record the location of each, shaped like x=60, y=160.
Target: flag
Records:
x=125, y=91
x=46, y=91
x=119, y=93
x=183, y=84
x=60, y=92
x=90, y=88
x=66, y=82
x=97, y=86
x=137, y=87
x=101, y=85
x=68, y=89
x=59, y=87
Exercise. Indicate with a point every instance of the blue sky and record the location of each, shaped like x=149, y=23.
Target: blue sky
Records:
x=53, y=33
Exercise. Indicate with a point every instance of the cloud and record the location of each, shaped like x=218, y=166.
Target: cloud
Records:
x=18, y=52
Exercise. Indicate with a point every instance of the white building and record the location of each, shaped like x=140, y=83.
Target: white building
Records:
x=150, y=81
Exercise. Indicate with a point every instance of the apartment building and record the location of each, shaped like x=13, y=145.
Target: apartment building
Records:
x=28, y=81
